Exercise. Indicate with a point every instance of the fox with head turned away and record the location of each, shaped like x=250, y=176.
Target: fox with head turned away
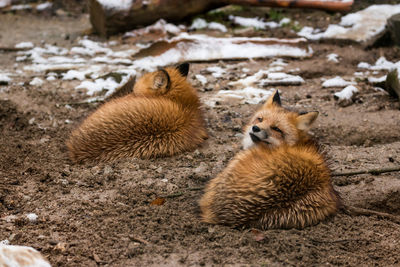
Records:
x=279, y=180
x=162, y=117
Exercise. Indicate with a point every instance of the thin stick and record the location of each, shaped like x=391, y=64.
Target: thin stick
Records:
x=366, y=212
x=371, y=171
x=12, y=49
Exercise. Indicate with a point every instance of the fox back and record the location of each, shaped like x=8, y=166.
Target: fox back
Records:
x=162, y=117
x=280, y=180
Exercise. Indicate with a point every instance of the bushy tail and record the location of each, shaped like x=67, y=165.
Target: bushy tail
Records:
x=137, y=127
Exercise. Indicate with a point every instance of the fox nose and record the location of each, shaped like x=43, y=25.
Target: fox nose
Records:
x=256, y=129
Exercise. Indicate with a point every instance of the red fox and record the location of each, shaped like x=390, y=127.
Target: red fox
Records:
x=280, y=180
x=162, y=117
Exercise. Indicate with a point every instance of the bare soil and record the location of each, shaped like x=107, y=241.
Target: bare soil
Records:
x=102, y=214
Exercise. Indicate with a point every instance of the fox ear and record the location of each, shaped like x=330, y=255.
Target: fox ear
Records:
x=183, y=69
x=161, y=80
x=305, y=121
x=274, y=99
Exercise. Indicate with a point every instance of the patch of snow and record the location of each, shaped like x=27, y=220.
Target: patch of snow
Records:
x=333, y=57
x=381, y=64
x=377, y=79
x=82, y=51
x=336, y=82
x=250, y=80
x=51, y=78
x=359, y=26
x=4, y=242
x=116, y=4
x=94, y=46
x=253, y=22
x=280, y=78
x=24, y=45
x=202, y=79
x=310, y=33
x=245, y=70
x=44, y=6
x=346, y=93
x=21, y=7
x=199, y=24
x=284, y=21
x=217, y=72
x=4, y=78
x=74, y=74
x=32, y=217
x=217, y=26
x=160, y=26
x=4, y=3
x=101, y=84
x=248, y=95
x=204, y=48
x=36, y=82
x=278, y=62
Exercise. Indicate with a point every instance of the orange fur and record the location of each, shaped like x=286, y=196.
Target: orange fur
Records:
x=280, y=181
x=161, y=118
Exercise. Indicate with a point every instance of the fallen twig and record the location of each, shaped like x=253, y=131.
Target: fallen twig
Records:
x=12, y=49
x=371, y=171
x=366, y=212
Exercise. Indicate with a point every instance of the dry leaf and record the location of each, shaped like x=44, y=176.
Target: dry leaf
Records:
x=158, y=201
x=257, y=235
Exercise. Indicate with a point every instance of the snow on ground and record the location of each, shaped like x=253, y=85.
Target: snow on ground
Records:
x=336, y=82
x=216, y=71
x=36, y=82
x=280, y=78
x=359, y=26
x=4, y=78
x=198, y=47
x=257, y=22
x=199, y=24
x=32, y=217
x=116, y=4
x=333, y=57
x=90, y=61
x=382, y=64
x=160, y=26
x=4, y=3
x=201, y=78
x=44, y=6
x=24, y=45
x=347, y=93
x=247, y=95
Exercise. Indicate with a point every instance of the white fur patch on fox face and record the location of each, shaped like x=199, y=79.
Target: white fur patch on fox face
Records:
x=271, y=129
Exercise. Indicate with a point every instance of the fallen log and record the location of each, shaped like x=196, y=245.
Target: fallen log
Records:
x=110, y=17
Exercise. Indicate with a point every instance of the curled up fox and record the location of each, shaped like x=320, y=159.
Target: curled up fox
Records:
x=162, y=117
x=279, y=180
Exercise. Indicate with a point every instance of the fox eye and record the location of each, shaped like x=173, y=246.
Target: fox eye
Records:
x=260, y=119
x=276, y=129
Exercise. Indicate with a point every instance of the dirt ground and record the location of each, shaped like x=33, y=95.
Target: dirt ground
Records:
x=101, y=214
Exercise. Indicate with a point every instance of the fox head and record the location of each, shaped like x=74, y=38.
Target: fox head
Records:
x=273, y=125
x=167, y=82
